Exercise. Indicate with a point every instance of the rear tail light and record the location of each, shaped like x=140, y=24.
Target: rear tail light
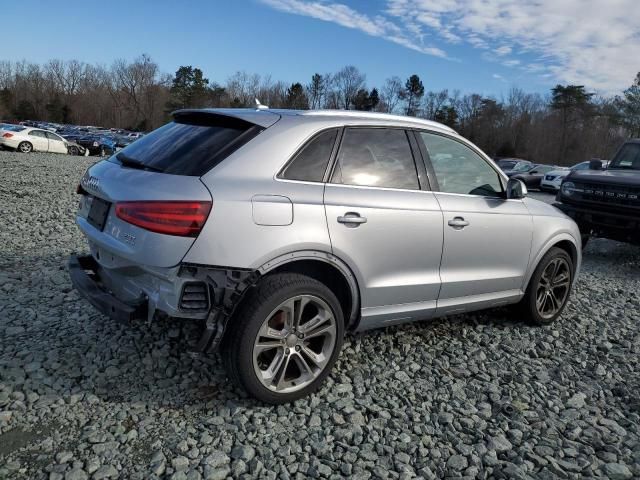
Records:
x=184, y=219
x=8, y=135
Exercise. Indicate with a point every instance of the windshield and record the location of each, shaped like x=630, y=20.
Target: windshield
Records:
x=628, y=158
x=523, y=167
x=188, y=146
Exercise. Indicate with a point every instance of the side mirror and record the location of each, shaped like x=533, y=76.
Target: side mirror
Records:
x=516, y=189
x=595, y=164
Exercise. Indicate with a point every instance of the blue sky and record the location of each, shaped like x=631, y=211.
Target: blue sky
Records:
x=483, y=46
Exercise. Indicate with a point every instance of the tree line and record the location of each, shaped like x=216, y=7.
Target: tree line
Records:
x=566, y=126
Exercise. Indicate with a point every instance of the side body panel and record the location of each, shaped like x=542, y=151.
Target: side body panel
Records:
x=489, y=256
x=395, y=255
x=40, y=144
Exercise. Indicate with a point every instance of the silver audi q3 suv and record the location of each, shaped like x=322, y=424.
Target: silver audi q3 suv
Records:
x=283, y=230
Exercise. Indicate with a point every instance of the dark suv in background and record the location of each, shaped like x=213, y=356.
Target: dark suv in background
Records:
x=606, y=203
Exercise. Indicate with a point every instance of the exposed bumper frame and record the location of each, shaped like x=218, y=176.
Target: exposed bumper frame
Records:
x=85, y=277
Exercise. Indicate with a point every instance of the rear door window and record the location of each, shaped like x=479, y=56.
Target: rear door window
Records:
x=376, y=157
x=311, y=162
x=37, y=133
x=53, y=136
x=190, y=145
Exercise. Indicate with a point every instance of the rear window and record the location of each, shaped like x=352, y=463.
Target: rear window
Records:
x=190, y=145
x=311, y=162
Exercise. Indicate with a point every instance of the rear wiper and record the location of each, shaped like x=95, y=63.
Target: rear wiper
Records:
x=133, y=163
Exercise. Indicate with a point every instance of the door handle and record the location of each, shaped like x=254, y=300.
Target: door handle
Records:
x=458, y=223
x=352, y=219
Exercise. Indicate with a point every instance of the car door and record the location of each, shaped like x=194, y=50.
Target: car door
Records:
x=38, y=139
x=487, y=238
x=56, y=143
x=385, y=224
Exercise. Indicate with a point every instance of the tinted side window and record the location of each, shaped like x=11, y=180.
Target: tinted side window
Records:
x=459, y=169
x=53, y=136
x=311, y=162
x=376, y=157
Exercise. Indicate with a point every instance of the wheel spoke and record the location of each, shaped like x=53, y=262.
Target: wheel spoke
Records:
x=320, y=318
x=540, y=298
x=282, y=374
x=299, y=306
x=267, y=345
x=303, y=365
x=272, y=370
x=321, y=330
x=318, y=359
x=267, y=332
x=554, y=302
x=561, y=280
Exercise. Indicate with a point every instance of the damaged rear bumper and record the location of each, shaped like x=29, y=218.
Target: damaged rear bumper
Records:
x=225, y=288
x=84, y=273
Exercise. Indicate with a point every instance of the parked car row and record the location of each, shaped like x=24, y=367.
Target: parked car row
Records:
x=29, y=136
x=537, y=175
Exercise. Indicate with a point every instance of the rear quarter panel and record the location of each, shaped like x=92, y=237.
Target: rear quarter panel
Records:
x=233, y=236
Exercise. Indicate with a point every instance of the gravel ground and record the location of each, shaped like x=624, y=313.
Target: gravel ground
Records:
x=478, y=395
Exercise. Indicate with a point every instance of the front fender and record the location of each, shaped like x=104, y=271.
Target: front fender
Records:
x=542, y=245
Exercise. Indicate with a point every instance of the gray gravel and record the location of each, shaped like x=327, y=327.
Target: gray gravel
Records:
x=469, y=396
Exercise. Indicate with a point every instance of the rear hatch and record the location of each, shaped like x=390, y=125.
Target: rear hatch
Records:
x=146, y=204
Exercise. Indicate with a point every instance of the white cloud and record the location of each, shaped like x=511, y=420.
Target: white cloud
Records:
x=376, y=26
x=590, y=42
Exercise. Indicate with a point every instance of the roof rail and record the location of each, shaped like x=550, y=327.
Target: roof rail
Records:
x=376, y=115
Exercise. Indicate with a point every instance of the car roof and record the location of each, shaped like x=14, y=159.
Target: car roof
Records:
x=266, y=117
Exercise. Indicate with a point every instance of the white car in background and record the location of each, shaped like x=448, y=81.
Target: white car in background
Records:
x=27, y=139
x=552, y=180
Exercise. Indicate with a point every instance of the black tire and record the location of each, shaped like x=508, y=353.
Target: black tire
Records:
x=25, y=147
x=237, y=349
x=529, y=305
x=73, y=150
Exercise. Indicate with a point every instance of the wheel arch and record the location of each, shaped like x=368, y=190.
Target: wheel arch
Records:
x=566, y=242
x=328, y=269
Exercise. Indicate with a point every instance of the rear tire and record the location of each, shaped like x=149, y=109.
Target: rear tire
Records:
x=25, y=147
x=549, y=288
x=284, y=339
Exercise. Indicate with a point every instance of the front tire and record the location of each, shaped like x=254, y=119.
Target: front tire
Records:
x=284, y=339
x=73, y=150
x=25, y=147
x=549, y=288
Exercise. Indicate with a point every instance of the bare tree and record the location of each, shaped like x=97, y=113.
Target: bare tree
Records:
x=391, y=94
x=347, y=82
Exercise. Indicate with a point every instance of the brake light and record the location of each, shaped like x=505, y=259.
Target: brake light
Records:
x=184, y=219
x=8, y=135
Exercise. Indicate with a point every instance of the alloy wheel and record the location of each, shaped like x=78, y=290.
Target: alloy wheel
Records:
x=294, y=344
x=25, y=147
x=553, y=288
